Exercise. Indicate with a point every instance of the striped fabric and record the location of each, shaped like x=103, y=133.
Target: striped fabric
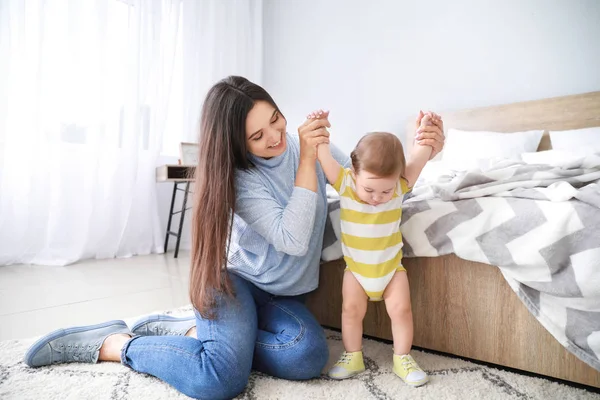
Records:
x=371, y=237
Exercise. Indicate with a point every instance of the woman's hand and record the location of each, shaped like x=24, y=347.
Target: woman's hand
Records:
x=312, y=133
x=432, y=134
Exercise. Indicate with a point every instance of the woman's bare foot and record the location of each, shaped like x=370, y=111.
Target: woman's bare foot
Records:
x=112, y=346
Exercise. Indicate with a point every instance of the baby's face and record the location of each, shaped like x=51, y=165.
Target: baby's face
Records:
x=373, y=189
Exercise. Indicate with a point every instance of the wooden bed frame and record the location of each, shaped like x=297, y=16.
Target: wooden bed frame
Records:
x=467, y=308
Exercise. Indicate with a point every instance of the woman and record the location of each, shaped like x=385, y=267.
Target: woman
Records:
x=250, y=314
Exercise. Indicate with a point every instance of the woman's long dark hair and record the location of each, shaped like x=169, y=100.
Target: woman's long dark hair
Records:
x=222, y=150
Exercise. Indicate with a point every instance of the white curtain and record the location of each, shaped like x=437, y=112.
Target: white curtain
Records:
x=91, y=93
x=220, y=38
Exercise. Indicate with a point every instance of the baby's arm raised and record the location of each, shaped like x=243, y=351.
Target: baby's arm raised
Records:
x=417, y=158
x=329, y=164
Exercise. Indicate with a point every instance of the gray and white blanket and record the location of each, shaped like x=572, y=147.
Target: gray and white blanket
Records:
x=540, y=224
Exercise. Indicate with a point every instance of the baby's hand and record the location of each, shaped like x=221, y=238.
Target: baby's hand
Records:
x=430, y=131
x=426, y=121
x=318, y=114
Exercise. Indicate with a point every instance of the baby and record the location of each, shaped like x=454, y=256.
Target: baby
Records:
x=371, y=194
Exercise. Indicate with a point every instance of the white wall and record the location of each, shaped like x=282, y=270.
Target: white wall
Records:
x=375, y=63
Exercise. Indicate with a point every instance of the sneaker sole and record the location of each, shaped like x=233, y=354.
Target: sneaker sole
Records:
x=157, y=318
x=63, y=332
x=418, y=383
x=339, y=378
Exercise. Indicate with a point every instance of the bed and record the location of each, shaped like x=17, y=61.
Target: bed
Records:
x=467, y=308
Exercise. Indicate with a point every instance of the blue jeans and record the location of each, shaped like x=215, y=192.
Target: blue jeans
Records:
x=255, y=330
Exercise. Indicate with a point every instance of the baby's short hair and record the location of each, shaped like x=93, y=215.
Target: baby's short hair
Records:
x=379, y=153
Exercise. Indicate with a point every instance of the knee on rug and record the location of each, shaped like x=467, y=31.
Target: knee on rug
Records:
x=305, y=359
x=227, y=381
x=225, y=388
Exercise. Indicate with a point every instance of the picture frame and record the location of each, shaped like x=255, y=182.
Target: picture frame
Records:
x=188, y=153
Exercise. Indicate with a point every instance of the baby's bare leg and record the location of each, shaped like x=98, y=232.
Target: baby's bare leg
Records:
x=397, y=303
x=354, y=307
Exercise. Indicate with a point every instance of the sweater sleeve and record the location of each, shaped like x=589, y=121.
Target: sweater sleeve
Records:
x=287, y=227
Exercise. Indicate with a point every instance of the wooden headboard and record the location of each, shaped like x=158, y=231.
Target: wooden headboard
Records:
x=554, y=114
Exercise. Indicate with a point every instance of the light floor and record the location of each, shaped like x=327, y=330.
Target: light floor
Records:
x=35, y=300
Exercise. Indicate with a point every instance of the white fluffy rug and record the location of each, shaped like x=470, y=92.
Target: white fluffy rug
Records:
x=451, y=378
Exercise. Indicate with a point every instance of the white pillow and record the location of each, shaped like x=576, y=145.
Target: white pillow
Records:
x=470, y=147
x=550, y=157
x=583, y=141
x=564, y=159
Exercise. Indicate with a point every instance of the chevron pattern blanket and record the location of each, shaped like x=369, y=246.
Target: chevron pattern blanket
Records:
x=540, y=224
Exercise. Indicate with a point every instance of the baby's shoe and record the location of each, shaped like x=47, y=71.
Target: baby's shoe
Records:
x=408, y=369
x=348, y=365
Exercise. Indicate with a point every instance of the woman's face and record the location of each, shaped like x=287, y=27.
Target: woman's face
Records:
x=265, y=131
